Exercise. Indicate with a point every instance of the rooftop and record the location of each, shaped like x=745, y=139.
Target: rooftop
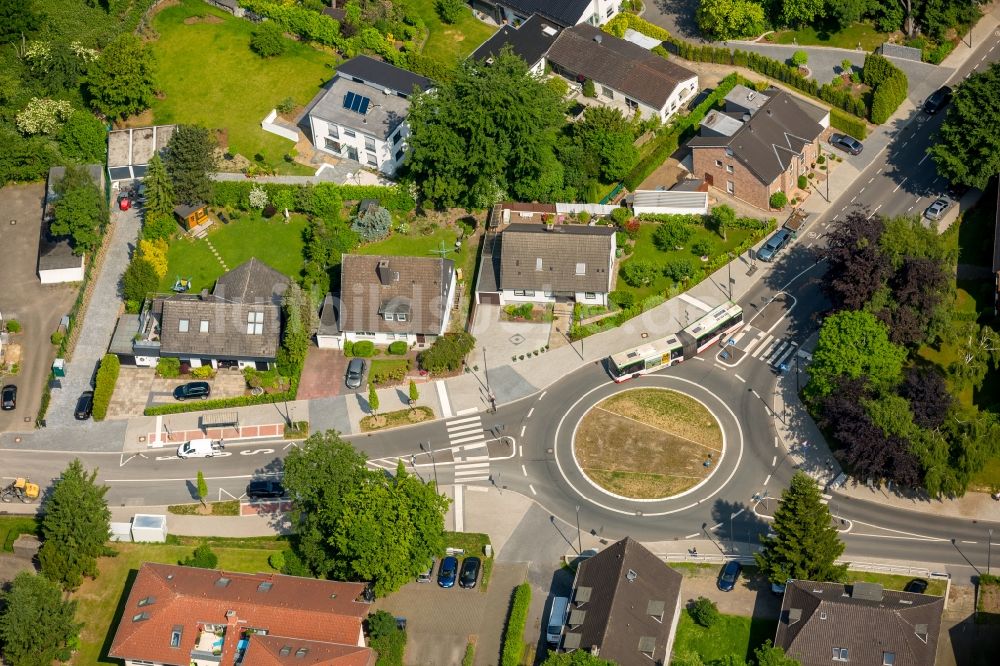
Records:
x=567, y=258
x=382, y=75
x=383, y=113
x=564, y=12
x=530, y=40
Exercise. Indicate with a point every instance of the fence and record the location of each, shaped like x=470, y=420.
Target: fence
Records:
x=268, y=125
x=891, y=50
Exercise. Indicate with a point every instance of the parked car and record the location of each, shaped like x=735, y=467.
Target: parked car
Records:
x=557, y=618
x=938, y=100
x=936, y=210
x=8, y=397
x=192, y=390
x=779, y=588
x=846, y=143
x=425, y=576
x=199, y=448
x=265, y=489
x=729, y=575
x=355, y=373
x=774, y=244
x=470, y=572
x=84, y=406
x=448, y=571
x=917, y=585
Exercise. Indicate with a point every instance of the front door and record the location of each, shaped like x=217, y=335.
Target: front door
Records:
x=709, y=180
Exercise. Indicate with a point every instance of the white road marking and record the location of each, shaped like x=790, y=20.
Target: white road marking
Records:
x=775, y=442
x=520, y=451
x=909, y=209
x=530, y=412
x=720, y=367
x=762, y=346
x=524, y=470
x=467, y=410
x=767, y=480
x=853, y=198
x=739, y=378
x=523, y=428
x=926, y=155
x=442, y=392
x=699, y=358
x=874, y=211
x=970, y=542
x=809, y=245
x=716, y=526
x=542, y=395
x=471, y=438
x=873, y=177
x=467, y=419
x=905, y=142
x=900, y=184
x=737, y=513
x=774, y=461
x=691, y=536
x=843, y=209
x=532, y=489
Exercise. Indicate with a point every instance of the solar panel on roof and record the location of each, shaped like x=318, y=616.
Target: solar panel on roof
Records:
x=356, y=104
x=364, y=105
x=348, y=100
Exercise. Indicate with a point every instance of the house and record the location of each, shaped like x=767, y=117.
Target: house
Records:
x=758, y=145
x=564, y=13
x=529, y=41
x=389, y=298
x=190, y=216
x=181, y=616
x=859, y=624
x=129, y=151
x=625, y=606
x=237, y=325
x=362, y=114
x=57, y=263
x=548, y=263
x=624, y=74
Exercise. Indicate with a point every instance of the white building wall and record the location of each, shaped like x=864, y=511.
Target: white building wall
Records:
x=525, y=296
x=594, y=298
x=680, y=95
x=385, y=156
x=329, y=341
x=449, y=300
x=381, y=338
x=61, y=275
x=597, y=12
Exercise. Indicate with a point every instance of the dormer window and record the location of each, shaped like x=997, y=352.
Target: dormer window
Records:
x=389, y=316
x=146, y=601
x=255, y=323
x=581, y=269
x=140, y=617
x=840, y=654
x=203, y=328
x=182, y=325
x=400, y=316
x=538, y=263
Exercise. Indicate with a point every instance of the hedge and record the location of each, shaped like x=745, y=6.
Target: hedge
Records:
x=107, y=375
x=305, y=23
x=887, y=97
x=322, y=199
x=447, y=352
x=363, y=348
x=219, y=403
x=845, y=123
x=398, y=348
x=513, y=638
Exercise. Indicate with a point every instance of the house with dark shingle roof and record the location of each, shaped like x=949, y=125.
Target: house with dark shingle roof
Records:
x=388, y=298
x=564, y=13
x=624, y=74
x=529, y=41
x=625, y=606
x=545, y=263
x=858, y=624
x=178, y=615
x=759, y=144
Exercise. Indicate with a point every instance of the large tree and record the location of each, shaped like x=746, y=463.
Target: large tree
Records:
x=122, y=81
x=83, y=138
x=18, y=19
x=731, y=19
x=36, y=623
x=854, y=344
x=805, y=544
x=857, y=266
x=801, y=12
x=158, y=189
x=605, y=133
x=488, y=134
x=75, y=527
x=80, y=211
x=190, y=158
x=967, y=150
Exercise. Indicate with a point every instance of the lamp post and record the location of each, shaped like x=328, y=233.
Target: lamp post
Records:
x=579, y=536
x=430, y=448
x=732, y=536
x=489, y=391
x=730, y=265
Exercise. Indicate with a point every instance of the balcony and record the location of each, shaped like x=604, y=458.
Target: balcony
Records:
x=207, y=649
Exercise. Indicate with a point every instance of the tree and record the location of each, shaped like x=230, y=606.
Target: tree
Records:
x=447, y=353
x=639, y=272
x=731, y=19
x=414, y=394
x=139, y=280
x=979, y=348
x=845, y=12
x=202, y=558
x=671, y=235
x=721, y=218
x=83, y=138
x=372, y=224
x=121, y=82
x=80, y=211
x=928, y=394
x=202, y=488
x=704, y=612
x=778, y=200
x=703, y=247
x=605, y=133
x=805, y=543
x=854, y=344
x=450, y=11
x=158, y=189
x=75, y=527
x=189, y=160
x=575, y=658
x=154, y=252
x=769, y=655
x=968, y=147
x=487, y=134
x=857, y=266
x=800, y=12
x=300, y=323
x=18, y=18
x=268, y=40
x=36, y=624
x=799, y=58
x=372, y=399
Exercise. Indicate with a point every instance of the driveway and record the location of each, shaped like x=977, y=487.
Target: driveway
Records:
x=37, y=307
x=677, y=16
x=503, y=340
x=138, y=388
x=323, y=375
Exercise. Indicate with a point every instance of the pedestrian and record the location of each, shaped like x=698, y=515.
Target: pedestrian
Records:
x=694, y=552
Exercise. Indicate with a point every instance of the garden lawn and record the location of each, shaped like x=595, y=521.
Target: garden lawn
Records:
x=935, y=586
x=99, y=600
x=731, y=634
x=645, y=249
x=12, y=527
x=417, y=244
x=847, y=38
x=448, y=44
x=209, y=76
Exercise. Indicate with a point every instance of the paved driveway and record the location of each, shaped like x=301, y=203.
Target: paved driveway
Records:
x=37, y=307
x=323, y=375
x=505, y=339
x=677, y=16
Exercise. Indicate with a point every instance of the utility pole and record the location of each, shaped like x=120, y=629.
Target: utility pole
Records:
x=989, y=542
x=730, y=265
x=827, y=174
x=579, y=535
x=489, y=391
x=430, y=448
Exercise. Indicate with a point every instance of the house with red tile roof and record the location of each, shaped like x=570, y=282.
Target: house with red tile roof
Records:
x=184, y=616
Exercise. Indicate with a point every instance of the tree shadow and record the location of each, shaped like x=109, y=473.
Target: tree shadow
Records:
x=119, y=613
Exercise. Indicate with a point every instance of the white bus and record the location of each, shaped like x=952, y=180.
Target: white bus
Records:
x=721, y=321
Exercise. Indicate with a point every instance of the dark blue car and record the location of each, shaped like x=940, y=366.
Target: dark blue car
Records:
x=448, y=571
x=729, y=575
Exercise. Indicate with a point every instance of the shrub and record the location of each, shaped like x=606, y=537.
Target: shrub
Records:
x=139, y=280
x=168, y=367
x=638, y=272
x=854, y=126
x=57, y=338
x=522, y=311
x=348, y=348
x=704, y=612
x=672, y=234
x=450, y=11
x=887, y=96
x=383, y=374
x=286, y=105
x=158, y=227
x=621, y=215
x=623, y=299
x=13, y=326
x=803, y=182
x=513, y=638
x=584, y=217
x=223, y=403
x=107, y=375
x=876, y=69
x=364, y=348
x=679, y=270
x=268, y=40
x=447, y=352
x=373, y=224
x=846, y=66
x=398, y=348
x=203, y=372
x=799, y=58
x=589, y=90
x=703, y=247
x=202, y=558
x=778, y=200
x=294, y=566
x=276, y=560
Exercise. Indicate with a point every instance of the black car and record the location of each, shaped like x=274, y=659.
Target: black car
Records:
x=265, y=490
x=846, y=143
x=84, y=406
x=355, y=372
x=729, y=575
x=8, y=397
x=192, y=390
x=470, y=572
x=938, y=100
x=917, y=585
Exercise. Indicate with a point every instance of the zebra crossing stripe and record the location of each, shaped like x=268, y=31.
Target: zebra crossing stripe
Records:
x=467, y=419
x=478, y=437
x=791, y=350
x=778, y=350
x=761, y=346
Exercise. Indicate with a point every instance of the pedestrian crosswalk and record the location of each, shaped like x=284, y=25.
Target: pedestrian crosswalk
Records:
x=772, y=351
x=468, y=445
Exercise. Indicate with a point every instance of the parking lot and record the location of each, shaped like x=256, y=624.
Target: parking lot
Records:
x=37, y=307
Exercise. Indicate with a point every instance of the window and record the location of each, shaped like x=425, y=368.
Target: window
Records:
x=396, y=137
x=203, y=328
x=175, y=637
x=524, y=292
x=590, y=295
x=631, y=103
x=607, y=92
x=730, y=187
x=332, y=132
x=729, y=152
x=140, y=617
x=255, y=323
x=538, y=263
x=388, y=316
x=182, y=325
x=581, y=269
x=147, y=601
x=349, y=132
x=332, y=145
x=840, y=654
x=400, y=316
x=718, y=163
x=399, y=154
x=729, y=168
x=888, y=659
x=372, y=161
x=369, y=144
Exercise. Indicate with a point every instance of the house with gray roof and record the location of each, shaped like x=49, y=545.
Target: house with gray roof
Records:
x=548, y=263
x=625, y=606
x=759, y=144
x=388, y=298
x=564, y=13
x=529, y=41
x=859, y=624
x=362, y=114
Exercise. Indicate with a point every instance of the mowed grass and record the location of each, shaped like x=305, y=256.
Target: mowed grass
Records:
x=12, y=527
x=847, y=38
x=731, y=634
x=449, y=44
x=935, y=586
x=209, y=76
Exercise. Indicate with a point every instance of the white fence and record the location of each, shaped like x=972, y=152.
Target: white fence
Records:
x=592, y=209
x=268, y=125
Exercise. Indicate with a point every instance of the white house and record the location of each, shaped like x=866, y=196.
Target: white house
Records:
x=564, y=13
x=388, y=298
x=624, y=74
x=362, y=115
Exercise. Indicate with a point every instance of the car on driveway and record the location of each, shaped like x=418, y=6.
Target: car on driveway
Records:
x=470, y=572
x=193, y=390
x=355, y=373
x=774, y=244
x=84, y=406
x=846, y=143
x=936, y=210
x=729, y=575
x=917, y=586
x=938, y=100
x=448, y=571
x=265, y=490
x=8, y=397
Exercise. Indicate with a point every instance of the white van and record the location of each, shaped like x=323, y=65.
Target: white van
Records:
x=199, y=448
x=557, y=618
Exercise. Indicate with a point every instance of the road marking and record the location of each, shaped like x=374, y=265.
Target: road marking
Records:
x=520, y=451
x=809, y=245
x=873, y=177
x=874, y=211
x=862, y=189
x=542, y=395
x=909, y=209
x=532, y=489
x=468, y=419
x=970, y=542
x=477, y=437
x=855, y=197
x=879, y=171
x=774, y=461
x=716, y=526
x=468, y=410
x=767, y=480
x=904, y=143
x=530, y=412
x=775, y=440
x=523, y=428
x=737, y=513
x=699, y=358
x=762, y=346
x=524, y=469
x=187, y=478
x=926, y=155
x=900, y=184
x=691, y=536
x=842, y=210
x=720, y=367
x=739, y=378
x=442, y=392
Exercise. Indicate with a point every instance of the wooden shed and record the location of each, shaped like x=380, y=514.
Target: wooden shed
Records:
x=191, y=216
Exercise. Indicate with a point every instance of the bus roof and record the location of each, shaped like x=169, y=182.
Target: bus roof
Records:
x=712, y=319
x=654, y=348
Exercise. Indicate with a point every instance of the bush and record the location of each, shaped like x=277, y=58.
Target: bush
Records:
x=621, y=215
x=107, y=375
x=303, y=22
x=57, y=338
x=447, y=352
x=277, y=560
x=679, y=270
x=778, y=200
x=703, y=247
x=348, y=348
x=623, y=299
x=382, y=373
x=139, y=280
x=513, y=639
x=704, y=612
x=202, y=558
x=803, y=182
x=398, y=348
x=450, y=11
x=203, y=372
x=380, y=624
x=364, y=348
x=638, y=272
x=887, y=96
x=168, y=367
x=294, y=566
x=222, y=403
x=854, y=126
x=522, y=311
x=589, y=90
x=268, y=40
x=800, y=58
x=373, y=224
x=584, y=217
x=158, y=227
x=13, y=326
x=286, y=105
x=672, y=234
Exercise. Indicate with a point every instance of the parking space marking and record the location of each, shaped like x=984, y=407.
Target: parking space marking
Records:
x=739, y=378
x=532, y=489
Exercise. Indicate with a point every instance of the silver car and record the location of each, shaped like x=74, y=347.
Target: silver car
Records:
x=355, y=373
x=936, y=210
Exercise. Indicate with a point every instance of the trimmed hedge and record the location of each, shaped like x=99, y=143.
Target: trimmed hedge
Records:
x=363, y=348
x=513, y=638
x=323, y=200
x=107, y=375
x=845, y=123
x=219, y=403
x=887, y=97
x=398, y=348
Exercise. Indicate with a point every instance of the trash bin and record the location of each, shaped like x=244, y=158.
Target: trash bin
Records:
x=59, y=367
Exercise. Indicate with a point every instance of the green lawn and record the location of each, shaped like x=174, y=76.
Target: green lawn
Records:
x=935, y=586
x=732, y=634
x=844, y=39
x=274, y=242
x=12, y=527
x=208, y=75
x=416, y=243
x=448, y=43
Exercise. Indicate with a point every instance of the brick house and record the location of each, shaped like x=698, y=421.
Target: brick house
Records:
x=759, y=144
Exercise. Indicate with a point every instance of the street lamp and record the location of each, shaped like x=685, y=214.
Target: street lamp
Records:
x=732, y=537
x=489, y=391
x=430, y=448
x=729, y=255
x=579, y=536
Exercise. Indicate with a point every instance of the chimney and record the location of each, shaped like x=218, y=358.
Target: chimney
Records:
x=384, y=274
x=598, y=38
x=794, y=615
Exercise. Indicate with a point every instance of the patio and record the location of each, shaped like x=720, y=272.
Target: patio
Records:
x=502, y=341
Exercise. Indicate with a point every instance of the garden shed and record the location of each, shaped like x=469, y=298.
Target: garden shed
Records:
x=190, y=216
x=149, y=528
